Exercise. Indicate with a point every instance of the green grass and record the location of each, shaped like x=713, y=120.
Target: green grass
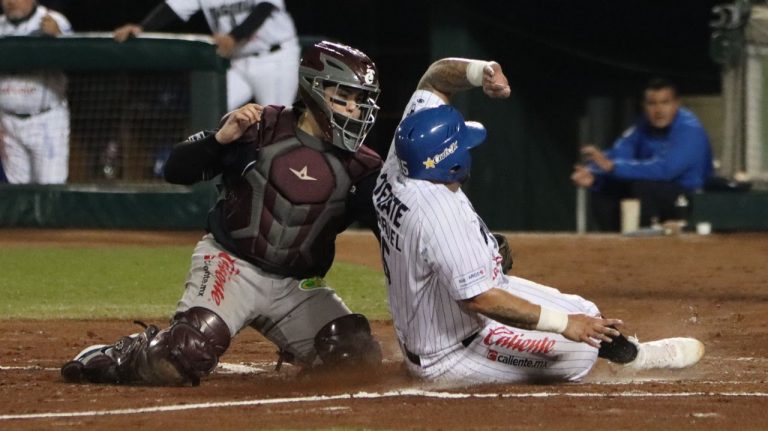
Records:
x=125, y=282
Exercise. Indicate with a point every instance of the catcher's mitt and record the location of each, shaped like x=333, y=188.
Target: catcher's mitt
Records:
x=505, y=251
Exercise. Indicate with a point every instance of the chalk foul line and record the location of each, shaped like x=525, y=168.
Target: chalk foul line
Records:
x=375, y=395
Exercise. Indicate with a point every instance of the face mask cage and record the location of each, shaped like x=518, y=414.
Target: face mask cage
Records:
x=348, y=133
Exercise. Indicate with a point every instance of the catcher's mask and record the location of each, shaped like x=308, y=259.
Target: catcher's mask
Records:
x=328, y=69
x=433, y=144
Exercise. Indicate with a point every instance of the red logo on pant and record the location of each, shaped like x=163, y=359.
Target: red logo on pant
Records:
x=516, y=361
x=506, y=338
x=225, y=270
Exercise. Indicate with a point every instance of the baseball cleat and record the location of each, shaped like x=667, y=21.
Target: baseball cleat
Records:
x=94, y=364
x=670, y=353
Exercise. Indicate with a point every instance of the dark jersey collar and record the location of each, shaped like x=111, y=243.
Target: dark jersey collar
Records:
x=310, y=141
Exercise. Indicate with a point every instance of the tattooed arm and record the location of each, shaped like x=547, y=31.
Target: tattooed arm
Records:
x=448, y=76
x=512, y=310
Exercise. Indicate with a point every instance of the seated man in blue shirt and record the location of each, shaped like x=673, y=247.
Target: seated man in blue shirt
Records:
x=664, y=155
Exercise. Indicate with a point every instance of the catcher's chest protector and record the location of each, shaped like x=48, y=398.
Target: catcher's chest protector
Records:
x=284, y=212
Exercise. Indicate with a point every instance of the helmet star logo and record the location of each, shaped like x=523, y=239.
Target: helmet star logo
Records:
x=302, y=174
x=429, y=163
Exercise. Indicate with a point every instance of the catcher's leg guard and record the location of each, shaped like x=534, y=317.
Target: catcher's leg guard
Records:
x=180, y=354
x=347, y=341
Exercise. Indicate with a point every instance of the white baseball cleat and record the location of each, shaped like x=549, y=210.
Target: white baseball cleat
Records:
x=668, y=353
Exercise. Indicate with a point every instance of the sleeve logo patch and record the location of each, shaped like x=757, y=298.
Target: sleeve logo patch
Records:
x=197, y=136
x=471, y=278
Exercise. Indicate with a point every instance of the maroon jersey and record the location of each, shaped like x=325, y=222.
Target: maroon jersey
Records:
x=285, y=195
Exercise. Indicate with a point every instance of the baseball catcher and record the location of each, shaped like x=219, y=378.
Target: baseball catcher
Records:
x=292, y=178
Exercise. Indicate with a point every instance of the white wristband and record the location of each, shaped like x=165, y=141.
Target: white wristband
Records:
x=475, y=71
x=552, y=321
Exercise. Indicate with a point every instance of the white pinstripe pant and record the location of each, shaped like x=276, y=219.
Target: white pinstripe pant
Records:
x=271, y=79
x=36, y=148
x=504, y=354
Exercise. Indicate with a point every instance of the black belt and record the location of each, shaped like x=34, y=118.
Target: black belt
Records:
x=416, y=360
x=272, y=48
x=24, y=116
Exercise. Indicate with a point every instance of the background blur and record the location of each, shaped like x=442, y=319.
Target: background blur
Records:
x=576, y=69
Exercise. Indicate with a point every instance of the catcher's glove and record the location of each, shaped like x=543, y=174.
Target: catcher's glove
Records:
x=505, y=251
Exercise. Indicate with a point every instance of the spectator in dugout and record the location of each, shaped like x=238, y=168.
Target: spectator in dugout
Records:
x=663, y=158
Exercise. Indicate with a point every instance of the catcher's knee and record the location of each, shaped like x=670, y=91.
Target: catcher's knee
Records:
x=181, y=354
x=189, y=349
x=347, y=341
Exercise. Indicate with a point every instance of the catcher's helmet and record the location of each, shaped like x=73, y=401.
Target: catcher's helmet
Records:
x=332, y=64
x=433, y=144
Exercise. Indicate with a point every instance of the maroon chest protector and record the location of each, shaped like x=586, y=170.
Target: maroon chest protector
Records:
x=284, y=210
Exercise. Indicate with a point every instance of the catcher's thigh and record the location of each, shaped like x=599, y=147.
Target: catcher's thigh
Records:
x=224, y=284
x=301, y=308
x=289, y=312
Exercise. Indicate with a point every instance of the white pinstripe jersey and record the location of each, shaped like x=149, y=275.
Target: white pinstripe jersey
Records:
x=225, y=15
x=436, y=251
x=34, y=91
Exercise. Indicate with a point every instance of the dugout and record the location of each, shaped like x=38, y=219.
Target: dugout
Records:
x=576, y=69
x=129, y=104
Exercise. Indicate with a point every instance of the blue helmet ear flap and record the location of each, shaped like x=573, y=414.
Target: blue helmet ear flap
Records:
x=433, y=144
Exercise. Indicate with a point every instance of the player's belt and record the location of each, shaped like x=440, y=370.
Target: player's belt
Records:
x=272, y=48
x=416, y=360
x=24, y=116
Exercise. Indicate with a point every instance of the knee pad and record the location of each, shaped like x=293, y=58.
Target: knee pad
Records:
x=212, y=327
x=347, y=341
x=194, y=342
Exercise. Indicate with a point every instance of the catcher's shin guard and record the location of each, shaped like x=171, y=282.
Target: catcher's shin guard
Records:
x=347, y=341
x=178, y=355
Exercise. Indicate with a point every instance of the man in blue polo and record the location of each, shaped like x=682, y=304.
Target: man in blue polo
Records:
x=664, y=156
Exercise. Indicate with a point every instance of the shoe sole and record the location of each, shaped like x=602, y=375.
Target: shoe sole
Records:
x=700, y=350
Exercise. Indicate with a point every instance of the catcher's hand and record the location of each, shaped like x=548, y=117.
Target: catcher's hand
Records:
x=505, y=251
x=237, y=122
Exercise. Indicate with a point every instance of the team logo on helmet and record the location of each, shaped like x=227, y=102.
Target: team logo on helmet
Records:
x=370, y=75
x=437, y=158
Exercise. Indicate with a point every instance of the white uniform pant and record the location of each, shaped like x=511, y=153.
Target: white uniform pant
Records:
x=505, y=354
x=35, y=149
x=287, y=311
x=271, y=78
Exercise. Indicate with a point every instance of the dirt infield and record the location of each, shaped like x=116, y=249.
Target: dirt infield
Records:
x=714, y=288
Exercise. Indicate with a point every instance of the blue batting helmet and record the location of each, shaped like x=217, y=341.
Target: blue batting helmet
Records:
x=433, y=144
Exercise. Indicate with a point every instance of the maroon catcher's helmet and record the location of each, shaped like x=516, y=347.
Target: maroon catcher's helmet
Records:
x=332, y=64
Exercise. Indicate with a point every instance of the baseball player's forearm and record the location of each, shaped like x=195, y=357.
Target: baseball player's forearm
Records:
x=451, y=75
x=253, y=22
x=446, y=77
x=193, y=160
x=505, y=308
